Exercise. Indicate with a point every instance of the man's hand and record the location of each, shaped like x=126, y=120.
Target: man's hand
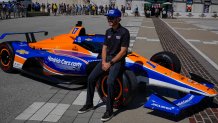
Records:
x=105, y=66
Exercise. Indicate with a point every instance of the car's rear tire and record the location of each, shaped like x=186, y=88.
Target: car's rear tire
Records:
x=6, y=57
x=125, y=88
x=167, y=60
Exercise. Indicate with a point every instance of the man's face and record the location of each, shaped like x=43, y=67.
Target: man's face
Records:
x=112, y=21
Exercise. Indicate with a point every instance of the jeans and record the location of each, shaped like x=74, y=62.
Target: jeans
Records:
x=114, y=71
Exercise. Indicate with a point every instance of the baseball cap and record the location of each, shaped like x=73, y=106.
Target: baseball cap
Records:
x=114, y=13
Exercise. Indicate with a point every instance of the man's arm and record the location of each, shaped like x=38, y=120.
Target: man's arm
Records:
x=107, y=65
x=120, y=55
x=103, y=54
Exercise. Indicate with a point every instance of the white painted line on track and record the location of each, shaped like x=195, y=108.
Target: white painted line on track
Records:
x=151, y=27
x=177, y=22
x=43, y=112
x=131, y=44
x=56, y=114
x=81, y=99
x=148, y=39
x=216, y=32
x=132, y=41
x=208, y=42
x=201, y=53
x=26, y=114
x=193, y=40
x=133, y=34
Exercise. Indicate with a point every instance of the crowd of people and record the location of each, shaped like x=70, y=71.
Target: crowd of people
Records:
x=17, y=9
x=73, y=9
x=12, y=10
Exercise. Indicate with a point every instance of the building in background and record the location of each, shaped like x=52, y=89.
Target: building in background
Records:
x=195, y=8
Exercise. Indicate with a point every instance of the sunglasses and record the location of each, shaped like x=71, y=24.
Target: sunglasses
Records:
x=111, y=18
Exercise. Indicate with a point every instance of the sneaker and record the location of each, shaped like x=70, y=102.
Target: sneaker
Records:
x=107, y=116
x=85, y=109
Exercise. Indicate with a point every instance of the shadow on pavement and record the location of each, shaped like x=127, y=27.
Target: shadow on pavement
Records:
x=138, y=100
x=72, y=85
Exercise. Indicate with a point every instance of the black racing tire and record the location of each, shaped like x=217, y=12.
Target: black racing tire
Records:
x=6, y=57
x=125, y=88
x=167, y=60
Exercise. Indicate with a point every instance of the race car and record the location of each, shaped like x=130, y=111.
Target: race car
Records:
x=75, y=54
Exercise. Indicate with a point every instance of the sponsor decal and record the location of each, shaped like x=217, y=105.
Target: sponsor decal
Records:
x=17, y=65
x=88, y=39
x=22, y=44
x=185, y=101
x=21, y=51
x=75, y=66
x=152, y=65
x=162, y=106
x=75, y=30
x=111, y=11
x=118, y=37
x=79, y=39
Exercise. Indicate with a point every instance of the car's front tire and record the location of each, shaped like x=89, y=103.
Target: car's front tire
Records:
x=124, y=90
x=6, y=57
x=167, y=60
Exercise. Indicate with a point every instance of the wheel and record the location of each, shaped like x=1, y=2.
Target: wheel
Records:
x=6, y=57
x=167, y=60
x=125, y=87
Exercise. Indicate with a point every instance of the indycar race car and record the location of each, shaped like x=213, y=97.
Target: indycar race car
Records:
x=77, y=53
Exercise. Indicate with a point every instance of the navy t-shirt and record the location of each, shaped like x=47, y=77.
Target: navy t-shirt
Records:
x=115, y=39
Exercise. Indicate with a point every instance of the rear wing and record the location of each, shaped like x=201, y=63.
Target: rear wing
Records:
x=30, y=37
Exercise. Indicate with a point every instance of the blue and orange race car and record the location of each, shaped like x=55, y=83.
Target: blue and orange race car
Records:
x=75, y=54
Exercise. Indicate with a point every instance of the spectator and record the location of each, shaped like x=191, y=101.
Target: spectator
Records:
x=123, y=10
x=76, y=9
x=43, y=7
x=96, y=9
x=106, y=9
x=93, y=9
x=15, y=9
x=22, y=10
x=48, y=8
x=156, y=12
x=64, y=9
x=73, y=9
x=9, y=9
x=1, y=9
x=55, y=9
x=68, y=9
x=136, y=11
x=110, y=7
x=52, y=8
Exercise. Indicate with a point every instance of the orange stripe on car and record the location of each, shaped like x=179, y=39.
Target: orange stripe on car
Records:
x=19, y=59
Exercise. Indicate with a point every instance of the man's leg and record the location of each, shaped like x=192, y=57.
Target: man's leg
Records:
x=92, y=79
x=113, y=74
